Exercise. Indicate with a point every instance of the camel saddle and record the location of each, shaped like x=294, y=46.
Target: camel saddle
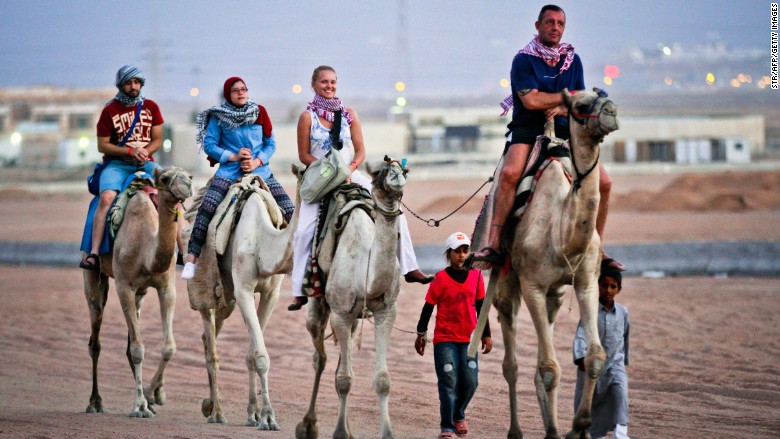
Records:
x=218, y=235
x=116, y=213
x=546, y=150
x=335, y=210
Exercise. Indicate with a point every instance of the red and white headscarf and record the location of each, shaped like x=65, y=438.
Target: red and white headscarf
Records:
x=325, y=108
x=548, y=54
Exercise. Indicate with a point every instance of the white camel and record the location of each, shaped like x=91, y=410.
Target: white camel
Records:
x=554, y=245
x=363, y=276
x=143, y=257
x=257, y=255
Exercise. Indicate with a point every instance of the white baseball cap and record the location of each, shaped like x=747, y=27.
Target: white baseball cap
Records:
x=457, y=239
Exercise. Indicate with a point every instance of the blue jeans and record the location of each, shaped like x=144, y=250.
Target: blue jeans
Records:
x=457, y=374
x=116, y=172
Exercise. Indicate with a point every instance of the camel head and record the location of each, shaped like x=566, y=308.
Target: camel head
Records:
x=388, y=176
x=174, y=180
x=591, y=114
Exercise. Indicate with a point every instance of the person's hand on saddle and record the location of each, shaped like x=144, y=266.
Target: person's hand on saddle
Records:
x=419, y=344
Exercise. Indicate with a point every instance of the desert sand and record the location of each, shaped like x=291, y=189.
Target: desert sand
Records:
x=703, y=357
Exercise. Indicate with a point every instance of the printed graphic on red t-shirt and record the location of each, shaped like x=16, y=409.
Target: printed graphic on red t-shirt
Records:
x=116, y=119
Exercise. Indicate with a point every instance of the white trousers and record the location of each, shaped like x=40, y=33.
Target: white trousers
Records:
x=621, y=432
x=307, y=227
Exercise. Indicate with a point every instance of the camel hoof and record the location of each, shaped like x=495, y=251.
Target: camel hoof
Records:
x=206, y=406
x=217, y=420
x=306, y=431
x=157, y=396
x=584, y=434
x=514, y=435
x=94, y=408
x=160, y=396
x=271, y=425
x=142, y=413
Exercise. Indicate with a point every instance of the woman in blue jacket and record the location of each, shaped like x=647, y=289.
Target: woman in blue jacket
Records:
x=239, y=136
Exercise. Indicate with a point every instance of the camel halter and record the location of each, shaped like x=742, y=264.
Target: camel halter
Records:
x=175, y=212
x=601, y=100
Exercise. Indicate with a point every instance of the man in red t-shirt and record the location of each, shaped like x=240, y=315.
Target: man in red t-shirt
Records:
x=124, y=154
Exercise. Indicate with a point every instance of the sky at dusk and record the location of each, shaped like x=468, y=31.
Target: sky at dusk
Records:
x=439, y=48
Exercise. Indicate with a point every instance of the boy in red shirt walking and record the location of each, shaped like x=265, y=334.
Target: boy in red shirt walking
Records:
x=458, y=293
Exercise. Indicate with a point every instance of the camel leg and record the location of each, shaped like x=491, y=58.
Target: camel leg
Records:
x=595, y=359
x=96, y=292
x=131, y=301
x=257, y=355
x=343, y=325
x=548, y=403
x=211, y=407
x=548, y=370
x=263, y=417
x=384, y=320
x=316, y=320
x=507, y=315
x=155, y=392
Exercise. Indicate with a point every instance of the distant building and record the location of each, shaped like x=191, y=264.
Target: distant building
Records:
x=49, y=126
x=686, y=139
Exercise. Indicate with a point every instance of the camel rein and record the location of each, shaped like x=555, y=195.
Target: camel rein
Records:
x=431, y=222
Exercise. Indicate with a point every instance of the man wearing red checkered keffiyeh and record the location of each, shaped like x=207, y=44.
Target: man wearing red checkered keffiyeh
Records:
x=540, y=71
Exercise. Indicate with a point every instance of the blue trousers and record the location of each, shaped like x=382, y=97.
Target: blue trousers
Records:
x=457, y=374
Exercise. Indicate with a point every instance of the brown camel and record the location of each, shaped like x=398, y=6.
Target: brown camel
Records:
x=144, y=253
x=554, y=245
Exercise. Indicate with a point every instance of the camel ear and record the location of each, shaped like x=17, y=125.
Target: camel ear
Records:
x=157, y=173
x=568, y=100
x=298, y=169
x=371, y=167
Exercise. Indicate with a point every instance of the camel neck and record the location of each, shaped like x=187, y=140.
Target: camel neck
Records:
x=167, y=215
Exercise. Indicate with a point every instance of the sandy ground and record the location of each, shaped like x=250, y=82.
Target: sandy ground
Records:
x=704, y=350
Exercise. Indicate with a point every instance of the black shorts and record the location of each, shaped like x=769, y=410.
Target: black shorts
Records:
x=528, y=136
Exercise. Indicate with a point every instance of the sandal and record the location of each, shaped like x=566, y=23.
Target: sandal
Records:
x=609, y=262
x=461, y=428
x=91, y=262
x=418, y=276
x=298, y=303
x=491, y=256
